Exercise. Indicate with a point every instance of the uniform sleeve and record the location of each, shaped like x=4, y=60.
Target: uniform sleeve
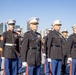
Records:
x=49, y=43
x=69, y=46
x=18, y=45
x=2, y=44
x=24, y=48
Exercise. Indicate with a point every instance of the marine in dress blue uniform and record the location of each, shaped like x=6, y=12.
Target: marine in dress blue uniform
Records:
x=10, y=47
x=31, y=48
x=54, y=44
x=20, y=68
x=45, y=52
x=64, y=47
x=72, y=50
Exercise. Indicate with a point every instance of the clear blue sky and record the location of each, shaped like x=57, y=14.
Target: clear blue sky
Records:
x=46, y=10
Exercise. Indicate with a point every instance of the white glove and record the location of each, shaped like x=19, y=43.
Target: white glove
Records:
x=24, y=64
x=69, y=59
x=2, y=57
x=49, y=60
x=44, y=54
